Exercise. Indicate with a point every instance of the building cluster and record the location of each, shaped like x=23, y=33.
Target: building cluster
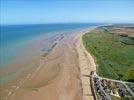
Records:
x=107, y=89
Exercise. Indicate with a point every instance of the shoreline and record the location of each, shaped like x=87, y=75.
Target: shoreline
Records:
x=77, y=40
x=60, y=66
x=53, y=65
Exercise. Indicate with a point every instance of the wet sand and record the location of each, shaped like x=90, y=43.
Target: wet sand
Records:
x=58, y=76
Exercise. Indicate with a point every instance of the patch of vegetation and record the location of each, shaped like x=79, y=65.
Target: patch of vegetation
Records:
x=114, y=58
x=127, y=40
x=130, y=75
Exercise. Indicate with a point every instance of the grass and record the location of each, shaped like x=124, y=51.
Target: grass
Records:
x=115, y=59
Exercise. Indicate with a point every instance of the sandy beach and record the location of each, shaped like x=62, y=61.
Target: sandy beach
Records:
x=86, y=64
x=59, y=76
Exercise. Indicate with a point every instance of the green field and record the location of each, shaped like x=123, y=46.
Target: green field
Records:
x=114, y=58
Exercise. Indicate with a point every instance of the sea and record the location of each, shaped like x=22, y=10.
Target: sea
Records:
x=19, y=43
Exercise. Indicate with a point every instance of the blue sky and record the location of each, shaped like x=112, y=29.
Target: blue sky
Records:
x=66, y=11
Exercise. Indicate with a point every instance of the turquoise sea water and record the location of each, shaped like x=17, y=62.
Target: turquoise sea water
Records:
x=15, y=38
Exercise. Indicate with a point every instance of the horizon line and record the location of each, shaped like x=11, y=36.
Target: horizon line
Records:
x=68, y=23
